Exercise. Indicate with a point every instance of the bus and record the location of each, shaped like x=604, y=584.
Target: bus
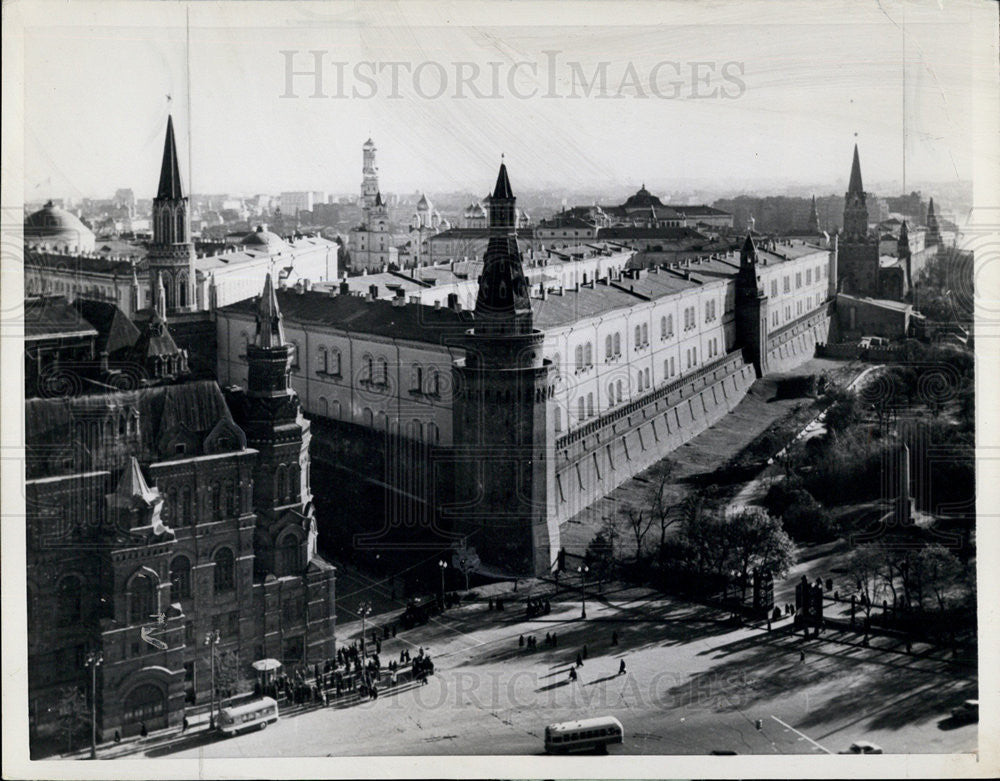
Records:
x=594, y=734
x=252, y=715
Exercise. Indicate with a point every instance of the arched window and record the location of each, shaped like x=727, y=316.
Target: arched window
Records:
x=558, y=418
x=323, y=361
x=280, y=482
x=416, y=379
x=142, y=603
x=579, y=357
x=590, y=405
x=581, y=408
x=230, y=499
x=182, y=289
x=589, y=355
x=216, y=501
x=334, y=362
x=663, y=328
x=618, y=344
x=324, y=407
x=638, y=380
x=290, y=555
x=416, y=429
x=179, y=226
x=608, y=347
x=180, y=578
x=225, y=566
x=645, y=333
x=294, y=478
x=383, y=371
x=611, y=394
x=435, y=382
x=433, y=434
x=170, y=506
x=670, y=325
x=648, y=383
x=70, y=601
x=367, y=373
x=366, y=416
x=638, y=336
x=335, y=409
x=619, y=391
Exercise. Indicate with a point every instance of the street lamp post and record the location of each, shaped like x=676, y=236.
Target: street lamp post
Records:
x=364, y=610
x=212, y=640
x=94, y=659
x=583, y=569
x=442, y=565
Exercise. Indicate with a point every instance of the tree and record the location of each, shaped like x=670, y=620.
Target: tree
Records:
x=843, y=413
x=465, y=560
x=758, y=542
x=73, y=713
x=863, y=571
x=229, y=678
x=940, y=570
x=639, y=523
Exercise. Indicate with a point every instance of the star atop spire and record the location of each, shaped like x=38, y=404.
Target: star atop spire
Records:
x=170, y=171
x=855, y=186
x=270, y=331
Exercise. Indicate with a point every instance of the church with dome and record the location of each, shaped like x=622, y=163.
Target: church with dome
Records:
x=63, y=256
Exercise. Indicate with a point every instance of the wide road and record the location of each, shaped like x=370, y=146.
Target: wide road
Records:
x=693, y=685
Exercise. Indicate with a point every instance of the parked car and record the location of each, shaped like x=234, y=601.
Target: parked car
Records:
x=863, y=747
x=967, y=711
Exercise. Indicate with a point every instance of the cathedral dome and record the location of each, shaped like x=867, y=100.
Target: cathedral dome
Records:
x=54, y=228
x=643, y=199
x=266, y=239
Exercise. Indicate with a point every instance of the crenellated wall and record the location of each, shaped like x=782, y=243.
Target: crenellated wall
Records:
x=595, y=459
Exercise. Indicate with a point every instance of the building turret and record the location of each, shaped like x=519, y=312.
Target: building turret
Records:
x=855, y=206
x=171, y=252
x=503, y=417
x=933, y=229
x=751, y=309
x=905, y=256
x=813, y=225
x=859, y=256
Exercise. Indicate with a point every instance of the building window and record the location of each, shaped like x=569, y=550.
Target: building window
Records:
x=180, y=578
x=798, y=280
x=417, y=379
x=323, y=364
x=333, y=366
x=383, y=372
x=295, y=355
x=786, y=285
x=618, y=385
x=145, y=703
x=611, y=394
x=579, y=357
x=290, y=555
x=638, y=381
x=645, y=334
x=618, y=344
x=646, y=372
x=558, y=418
x=367, y=417
x=590, y=405
x=367, y=374
x=142, y=599
x=70, y=601
x=581, y=408
x=588, y=352
x=774, y=288
x=608, y=348
x=225, y=570
x=638, y=336
x=809, y=276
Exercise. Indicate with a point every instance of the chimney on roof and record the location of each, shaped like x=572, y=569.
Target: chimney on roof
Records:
x=437, y=304
x=373, y=291
x=307, y=284
x=453, y=302
x=345, y=289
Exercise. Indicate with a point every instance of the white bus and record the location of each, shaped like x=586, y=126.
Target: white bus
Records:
x=593, y=734
x=252, y=715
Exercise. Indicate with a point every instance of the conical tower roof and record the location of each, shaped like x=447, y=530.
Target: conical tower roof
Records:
x=855, y=186
x=270, y=331
x=170, y=171
x=502, y=188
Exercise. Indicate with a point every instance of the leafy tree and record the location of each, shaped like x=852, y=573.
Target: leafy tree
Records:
x=758, y=543
x=73, y=713
x=940, y=570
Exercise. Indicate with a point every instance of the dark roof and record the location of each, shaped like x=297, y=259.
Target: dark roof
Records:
x=47, y=316
x=502, y=188
x=700, y=210
x=114, y=330
x=355, y=314
x=170, y=171
x=667, y=234
x=475, y=233
x=855, y=184
x=189, y=410
x=82, y=263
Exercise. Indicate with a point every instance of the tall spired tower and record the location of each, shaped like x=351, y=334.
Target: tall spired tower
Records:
x=171, y=255
x=858, y=264
x=369, y=178
x=505, y=479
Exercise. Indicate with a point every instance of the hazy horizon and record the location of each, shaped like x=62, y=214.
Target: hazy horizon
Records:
x=769, y=97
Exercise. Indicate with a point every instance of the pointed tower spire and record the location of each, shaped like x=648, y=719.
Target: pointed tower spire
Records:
x=813, y=225
x=270, y=331
x=170, y=171
x=854, y=186
x=748, y=252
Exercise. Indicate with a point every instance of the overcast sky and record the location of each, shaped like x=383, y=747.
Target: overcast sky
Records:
x=712, y=94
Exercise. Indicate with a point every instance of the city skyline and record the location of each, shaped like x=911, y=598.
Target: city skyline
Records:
x=246, y=131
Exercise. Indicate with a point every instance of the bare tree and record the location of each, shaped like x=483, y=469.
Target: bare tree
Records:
x=639, y=523
x=863, y=569
x=663, y=512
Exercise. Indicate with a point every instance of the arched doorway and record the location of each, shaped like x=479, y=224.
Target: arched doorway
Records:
x=145, y=704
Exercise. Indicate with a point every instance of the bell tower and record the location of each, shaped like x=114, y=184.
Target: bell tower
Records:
x=858, y=265
x=505, y=478
x=751, y=310
x=171, y=254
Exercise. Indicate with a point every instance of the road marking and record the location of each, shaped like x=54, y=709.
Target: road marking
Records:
x=800, y=734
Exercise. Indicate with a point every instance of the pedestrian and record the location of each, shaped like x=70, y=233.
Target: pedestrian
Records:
x=579, y=659
x=768, y=622
x=118, y=737
x=572, y=673
x=184, y=725
x=548, y=638
x=143, y=732
x=393, y=630
x=520, y=641
x=553, y=639
x=621, y=667
x=802, y=656
x=392, y=678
